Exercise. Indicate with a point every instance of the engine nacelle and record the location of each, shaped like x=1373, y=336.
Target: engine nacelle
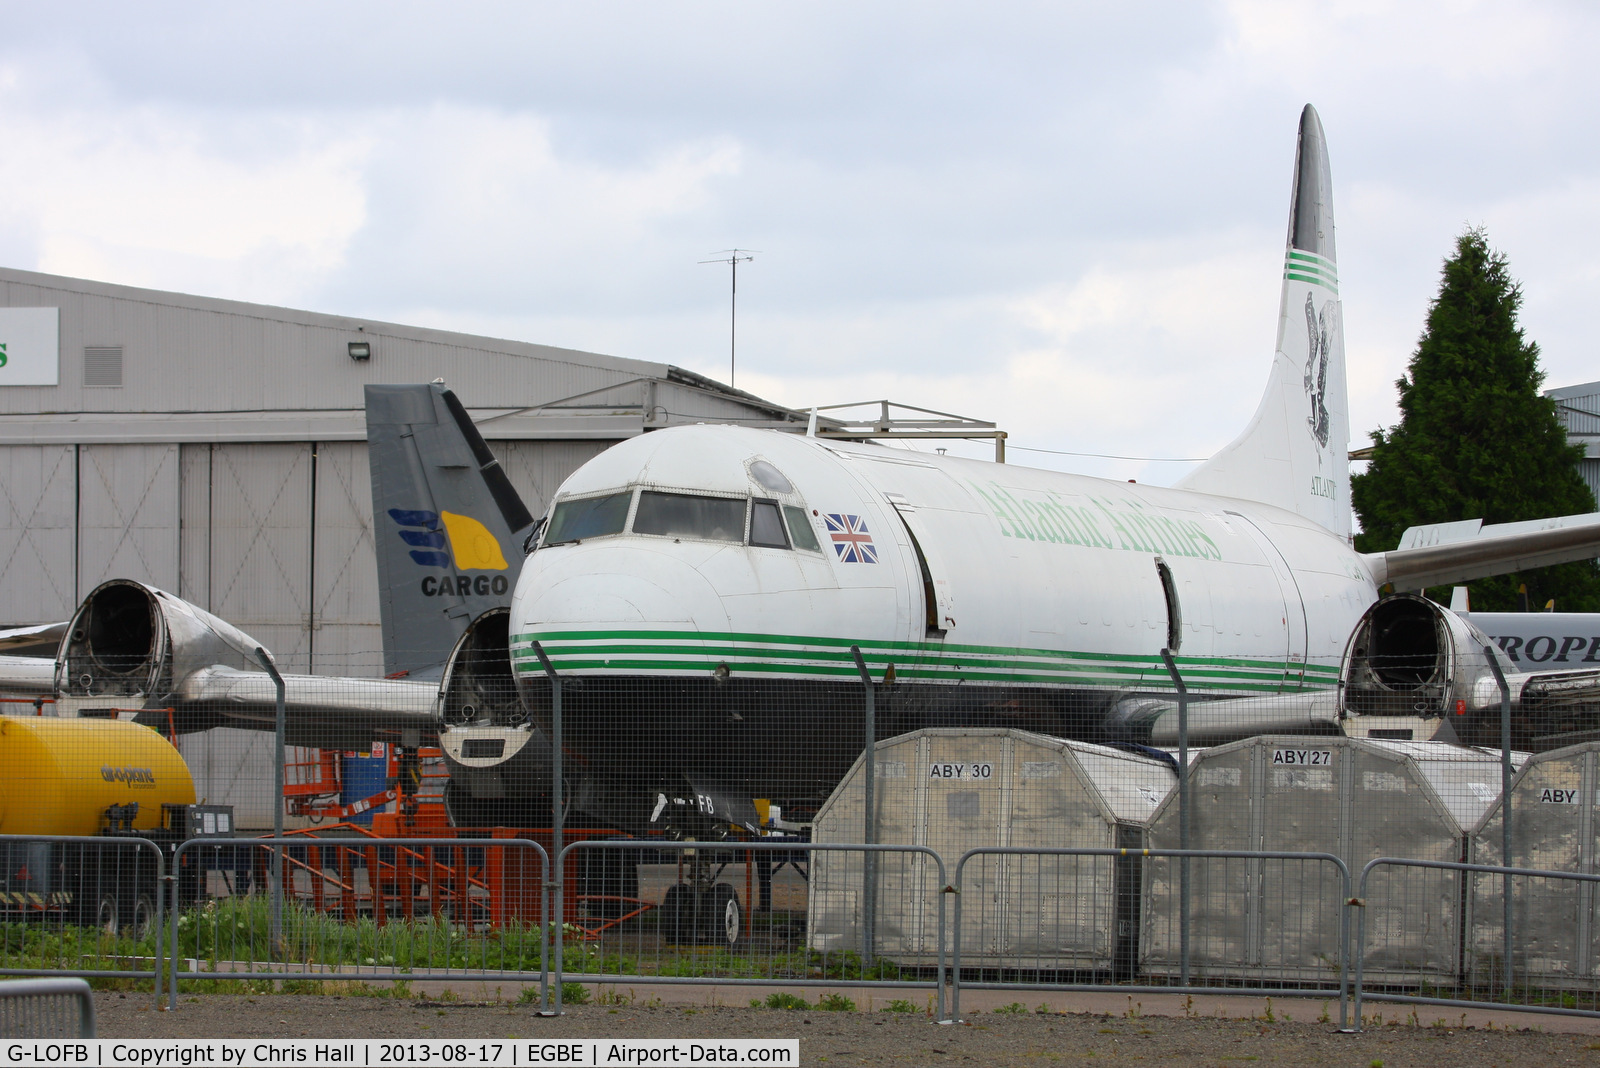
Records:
x=499, y=762
x=1410, y=657
x=131, y=646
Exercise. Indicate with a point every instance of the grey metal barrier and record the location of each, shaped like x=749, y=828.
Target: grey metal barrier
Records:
x=1099, y=919
x=1446, y=934
x=46, y=1008
x=99, y=899
x=362, y=908
x=702, y=931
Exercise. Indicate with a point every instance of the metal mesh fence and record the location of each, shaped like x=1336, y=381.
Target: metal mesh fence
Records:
x=697, y=785
x=46, y=1008
x=358, y=907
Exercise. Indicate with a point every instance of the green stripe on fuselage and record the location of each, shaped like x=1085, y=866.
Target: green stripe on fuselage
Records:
x=619, y=651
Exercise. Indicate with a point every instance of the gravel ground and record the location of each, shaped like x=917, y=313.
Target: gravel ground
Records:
x=852, y=1038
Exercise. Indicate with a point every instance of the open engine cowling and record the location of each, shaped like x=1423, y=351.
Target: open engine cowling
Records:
x=1411, y=657
x=132, y=647
x=499, y=762
x=130, y=644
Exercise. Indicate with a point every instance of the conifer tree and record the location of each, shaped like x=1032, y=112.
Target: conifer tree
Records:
x=1476, y=438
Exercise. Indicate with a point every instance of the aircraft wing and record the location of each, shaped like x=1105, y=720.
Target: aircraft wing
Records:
x=1448, y=553
x=27, y=675
x=319, y=711
x=40, y=640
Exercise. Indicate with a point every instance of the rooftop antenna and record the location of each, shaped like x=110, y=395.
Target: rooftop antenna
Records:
x=733, y=257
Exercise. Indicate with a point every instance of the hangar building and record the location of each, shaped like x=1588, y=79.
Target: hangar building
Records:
x=217, y=449
x=1578, y=408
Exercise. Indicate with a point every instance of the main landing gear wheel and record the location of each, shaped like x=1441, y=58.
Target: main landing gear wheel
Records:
x=723, y=915
x=702, y=917
x=678, y=915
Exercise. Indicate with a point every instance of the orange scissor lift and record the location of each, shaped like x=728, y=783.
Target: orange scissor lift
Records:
x=471, y=885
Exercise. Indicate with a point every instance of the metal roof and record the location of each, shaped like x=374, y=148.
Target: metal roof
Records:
x=206, y=369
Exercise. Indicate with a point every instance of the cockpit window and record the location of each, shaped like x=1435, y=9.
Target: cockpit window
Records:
x=589, y=517
x=770, y=477
x=689, y=515
x=800, y=529
x=766, y=525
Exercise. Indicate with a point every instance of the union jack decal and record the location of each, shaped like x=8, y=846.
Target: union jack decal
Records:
x=850, y=538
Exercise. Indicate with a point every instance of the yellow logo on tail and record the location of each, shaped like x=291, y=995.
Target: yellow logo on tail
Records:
x=473, y=547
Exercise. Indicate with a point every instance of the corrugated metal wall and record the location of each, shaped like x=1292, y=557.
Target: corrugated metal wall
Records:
x=1578, y=408
x=275, y=538
x=196, y=354
x=38, y=532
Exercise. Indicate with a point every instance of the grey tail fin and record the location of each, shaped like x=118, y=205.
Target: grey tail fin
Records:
x=447, y=524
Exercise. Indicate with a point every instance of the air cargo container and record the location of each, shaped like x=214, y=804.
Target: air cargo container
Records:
x=1265, y=920
x=955, y=789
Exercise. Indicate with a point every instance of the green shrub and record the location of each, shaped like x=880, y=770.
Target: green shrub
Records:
x=783, y=1000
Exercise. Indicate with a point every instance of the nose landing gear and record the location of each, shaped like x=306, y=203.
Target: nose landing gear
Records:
x=702, y=911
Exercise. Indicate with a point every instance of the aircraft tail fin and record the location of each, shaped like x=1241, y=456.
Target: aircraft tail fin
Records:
x=447, y=524
x=1295, y=452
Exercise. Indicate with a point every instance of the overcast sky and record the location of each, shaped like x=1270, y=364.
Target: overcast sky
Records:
x=1065, y=218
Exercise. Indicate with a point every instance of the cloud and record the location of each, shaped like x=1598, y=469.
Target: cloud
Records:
x=478, y=209
x=147, y=197
x=1063, y=218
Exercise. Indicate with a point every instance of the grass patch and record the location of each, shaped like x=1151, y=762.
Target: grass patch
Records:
x=899, y=1005
x=784, y=1000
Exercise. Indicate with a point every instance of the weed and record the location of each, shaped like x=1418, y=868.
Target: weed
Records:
x=1042, y=1009
x=1375, y=1063
x=899, y=1005
x=1188, y=1006
x=784, y=1000
x=1135, y=1008
x=1267, y=1015
x=1322, y=1019
x=1016, y=1008
x=836, y=1003
x=574, y=994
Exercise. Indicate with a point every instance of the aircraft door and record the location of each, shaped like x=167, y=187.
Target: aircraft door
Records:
x=938, y=603
x=1294, y=609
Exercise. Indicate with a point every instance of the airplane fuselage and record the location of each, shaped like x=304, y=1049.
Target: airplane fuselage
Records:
x=710, y=604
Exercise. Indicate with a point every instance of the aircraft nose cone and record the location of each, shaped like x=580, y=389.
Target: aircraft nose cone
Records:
x=599, y=590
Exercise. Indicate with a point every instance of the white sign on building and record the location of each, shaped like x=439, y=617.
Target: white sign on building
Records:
x=30, y=346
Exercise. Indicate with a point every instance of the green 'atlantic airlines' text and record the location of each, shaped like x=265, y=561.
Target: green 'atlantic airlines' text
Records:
x=1098, y=523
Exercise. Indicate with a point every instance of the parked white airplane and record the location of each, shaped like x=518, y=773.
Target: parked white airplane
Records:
x=702, y=588
x=706, y=583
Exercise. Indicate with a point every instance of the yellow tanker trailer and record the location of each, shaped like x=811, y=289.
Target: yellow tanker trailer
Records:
x=97, y=779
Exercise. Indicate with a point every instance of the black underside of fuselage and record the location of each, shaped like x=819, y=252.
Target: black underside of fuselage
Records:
x=788, y=741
